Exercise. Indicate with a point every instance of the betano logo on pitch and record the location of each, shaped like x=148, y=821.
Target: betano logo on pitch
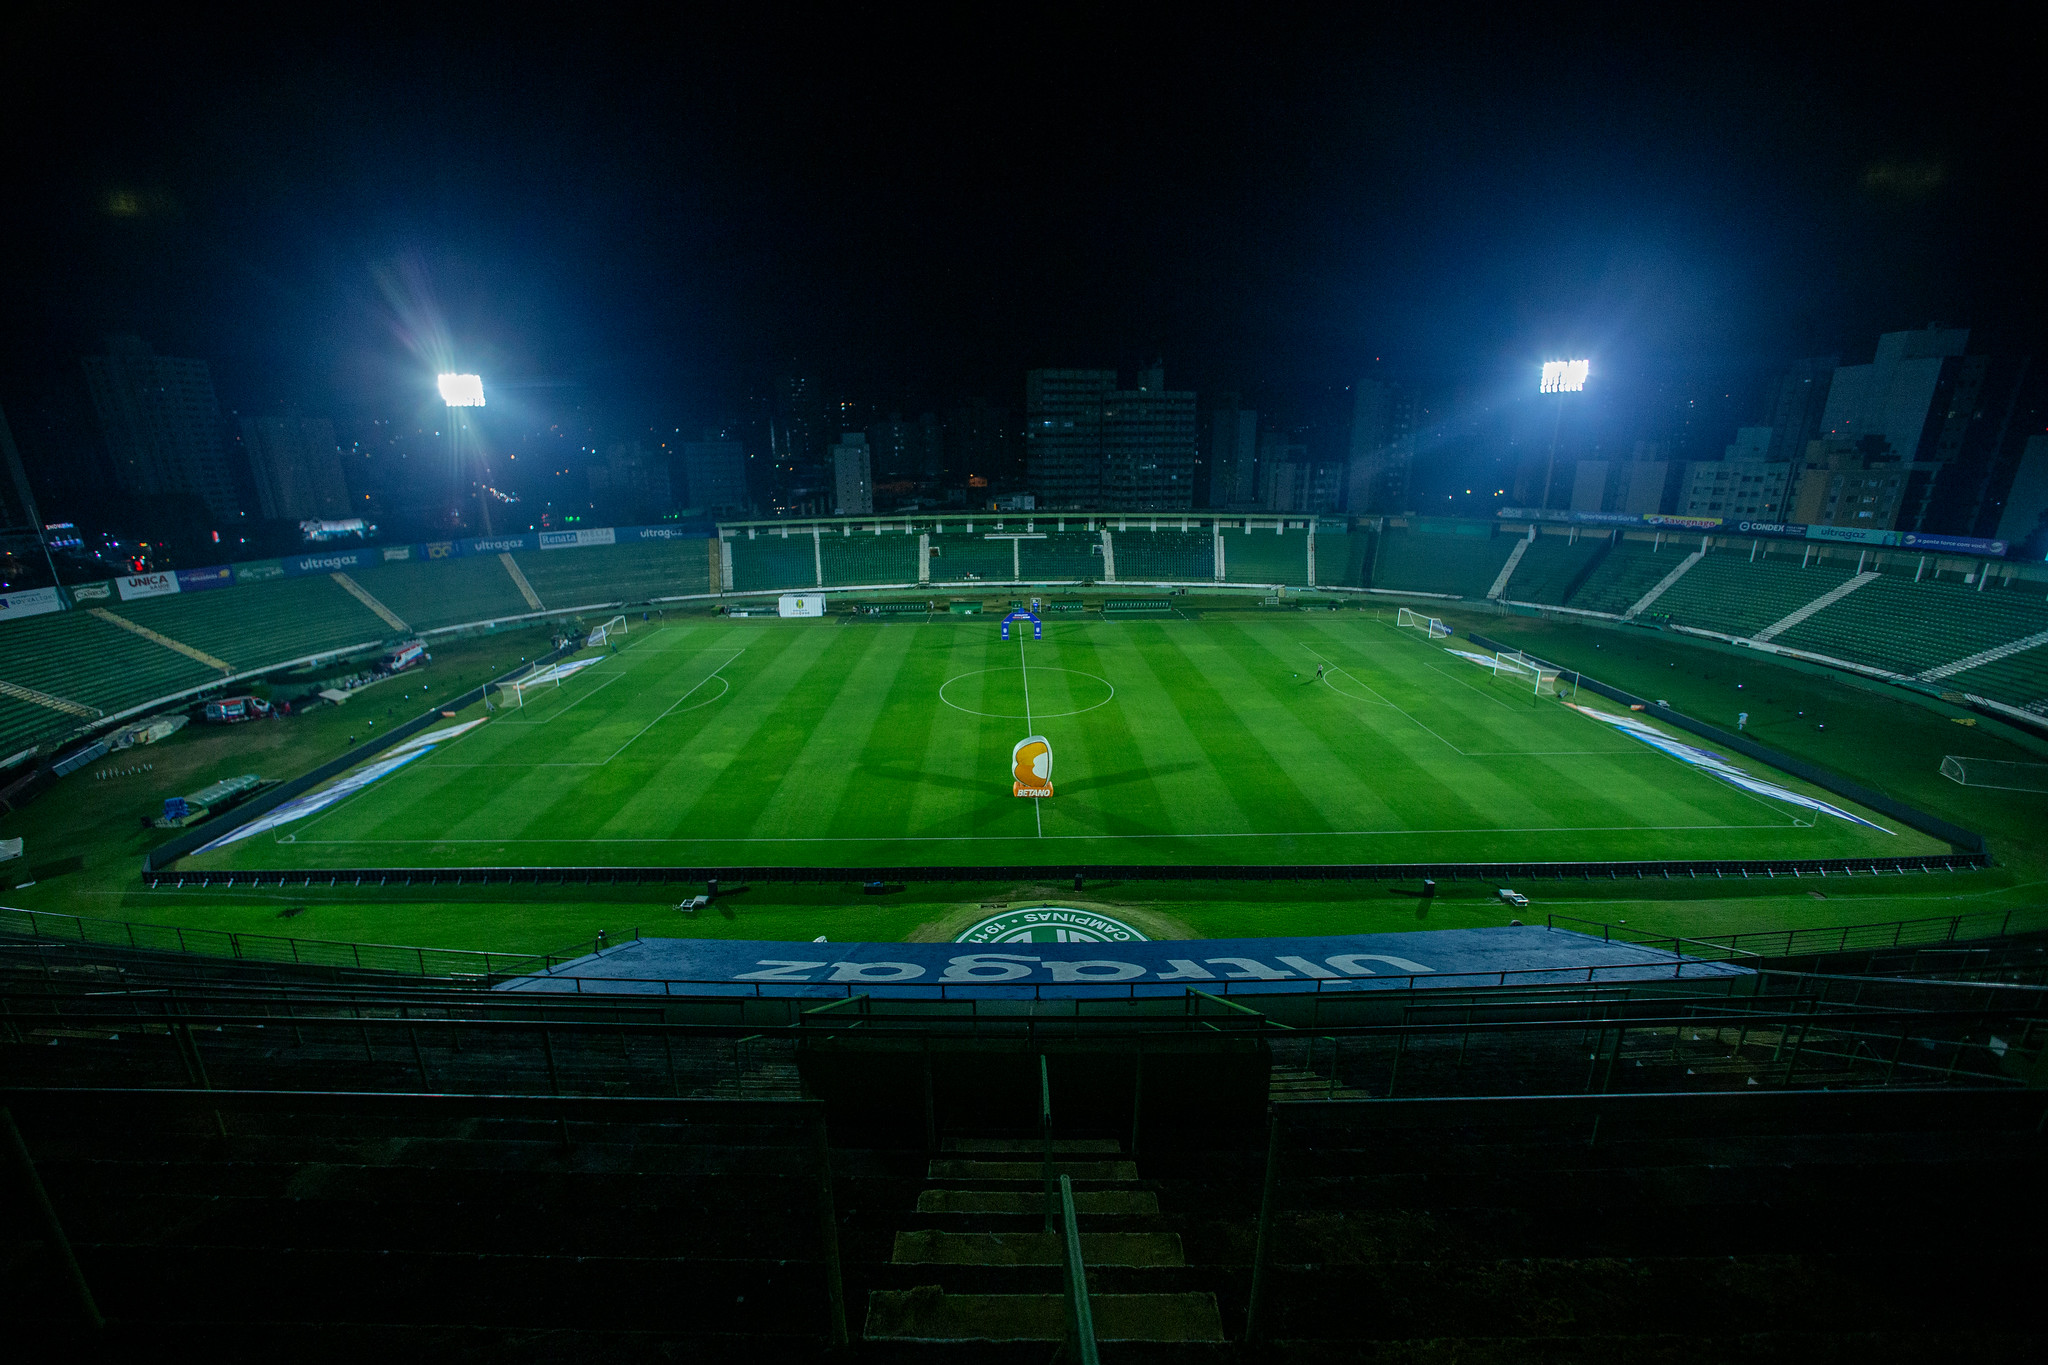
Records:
x=1031, y=766
x=1050, y=924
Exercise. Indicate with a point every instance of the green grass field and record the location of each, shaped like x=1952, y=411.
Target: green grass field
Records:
x=709, y=742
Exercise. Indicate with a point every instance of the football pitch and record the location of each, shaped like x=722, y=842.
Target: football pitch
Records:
x=816, y=743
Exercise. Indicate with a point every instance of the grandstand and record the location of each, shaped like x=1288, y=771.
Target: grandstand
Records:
x=1554, y=565
x=259, y=625
x=608, y=575
x=857, y=557
x=1454, y=557
x=435, y=594
x=1167, y=554
x=323, y=1159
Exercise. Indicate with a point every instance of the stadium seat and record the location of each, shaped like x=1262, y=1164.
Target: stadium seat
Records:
x=1450, y=557
x=594, y=574
x=1550, y=566
x=1259, y=556
x=1726, y=592
x=771, y=562
x=256, y=625
x=1629, y=570
x=1170, y=555
x=430, y=594
x=865, y=559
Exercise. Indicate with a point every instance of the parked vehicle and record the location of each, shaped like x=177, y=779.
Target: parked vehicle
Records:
x=1514, y=898
x=233, y=710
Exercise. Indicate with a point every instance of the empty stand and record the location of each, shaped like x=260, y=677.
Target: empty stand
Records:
x=864, y=558
x=1171, y=555
x=431, y=594
x=595, y=574
x=80, y=657
x=1070, y=556
x=1257, y=556
x=1725, y=592
x=1451, y=557
x=1630, y=569
x=960, y=556
x=1552, y=566
x=770, y=560
x=255, y=625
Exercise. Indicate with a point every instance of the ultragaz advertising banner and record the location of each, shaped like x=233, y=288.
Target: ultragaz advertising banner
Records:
x=333, y=561
x=498, y=545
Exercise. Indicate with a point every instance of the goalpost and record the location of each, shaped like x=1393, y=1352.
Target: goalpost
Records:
x=1521, y=668
x=615, y=626
x=1436, y=629
x=1996, y=773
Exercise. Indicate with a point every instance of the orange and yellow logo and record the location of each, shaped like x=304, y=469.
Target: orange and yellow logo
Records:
x=1031, y=767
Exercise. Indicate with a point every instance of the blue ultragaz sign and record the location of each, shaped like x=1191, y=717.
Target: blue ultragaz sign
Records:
x=1457, y=958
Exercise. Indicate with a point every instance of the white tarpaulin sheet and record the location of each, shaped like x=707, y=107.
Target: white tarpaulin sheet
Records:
x=299, y=807
x=1709, y=761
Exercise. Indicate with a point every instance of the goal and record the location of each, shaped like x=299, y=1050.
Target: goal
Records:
x=513, y=692
x=1996, y=773
x=1436, y=629
x=615, y=626
x=1526, y=671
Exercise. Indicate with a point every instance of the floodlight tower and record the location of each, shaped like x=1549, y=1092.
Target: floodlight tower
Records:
x=1559, y=377
x=464, y=391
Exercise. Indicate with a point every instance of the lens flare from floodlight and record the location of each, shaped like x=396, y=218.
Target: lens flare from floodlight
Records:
x=1563, y=376
x=467, y=390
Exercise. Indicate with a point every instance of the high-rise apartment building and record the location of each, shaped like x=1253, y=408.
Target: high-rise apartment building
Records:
x=1382, y=449
x=853, y=478
x=983, y=448
x=1798, y=406
x=1091, y=445
x=1232, y=453
x=1957, y=422
x=714, y=476
x=296, y=465
x=1736, y=489
x=161, y=424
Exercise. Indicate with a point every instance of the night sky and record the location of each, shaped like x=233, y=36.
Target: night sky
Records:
x=656, y=216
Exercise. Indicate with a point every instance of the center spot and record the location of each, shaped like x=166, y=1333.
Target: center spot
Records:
x=999, y=692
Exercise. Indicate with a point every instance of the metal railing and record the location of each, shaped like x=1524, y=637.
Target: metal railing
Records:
x=451, y=964
x=1080, y=1312
x=1800, y=942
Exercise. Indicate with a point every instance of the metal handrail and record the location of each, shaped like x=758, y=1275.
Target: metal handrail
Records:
x=1842, y=933
x=1080, y=1312
x=1045, y=1134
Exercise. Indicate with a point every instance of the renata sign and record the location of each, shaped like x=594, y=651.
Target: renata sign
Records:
x=146, y=585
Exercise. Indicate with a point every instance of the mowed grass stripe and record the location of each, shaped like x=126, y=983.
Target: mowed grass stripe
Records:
x=1253, y=777
x=1383, y=783
x=1107, y=780
x=882, y=786
x=729, y=772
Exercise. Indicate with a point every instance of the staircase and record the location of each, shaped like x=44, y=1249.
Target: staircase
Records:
x=1642, y=604
x=1507, y=570
x=1826, y=599
x=979, y=1231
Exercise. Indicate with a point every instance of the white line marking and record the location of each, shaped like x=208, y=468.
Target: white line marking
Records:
x=578, y=702
x=977, y=838
x=1037, y=814
x=677, y=702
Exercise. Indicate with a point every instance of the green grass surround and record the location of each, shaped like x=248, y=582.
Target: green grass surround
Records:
x=806, y=744
x=85, y=844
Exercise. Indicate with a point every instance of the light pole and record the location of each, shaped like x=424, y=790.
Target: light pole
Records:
x=464, y=391
x=1559, y=377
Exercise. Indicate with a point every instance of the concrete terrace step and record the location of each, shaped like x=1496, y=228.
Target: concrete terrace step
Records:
x=1131, y=1203
x=1034, y=1146
x=1037, y=1248
x=1098, y=1171
x=927, y=1313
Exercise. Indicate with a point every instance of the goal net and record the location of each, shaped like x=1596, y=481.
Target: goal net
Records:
x=615, y=626
x=1995, y=772
x=1435, y=629
x=1525, y=671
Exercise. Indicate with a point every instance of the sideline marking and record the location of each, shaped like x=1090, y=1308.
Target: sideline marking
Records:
x=677, y=702
x=983, y=838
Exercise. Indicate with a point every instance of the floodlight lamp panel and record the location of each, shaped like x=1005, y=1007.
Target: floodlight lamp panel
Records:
x=1565, y=376
x=462, y=390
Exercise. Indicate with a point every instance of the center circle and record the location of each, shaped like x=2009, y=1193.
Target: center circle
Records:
x=1108, y=692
